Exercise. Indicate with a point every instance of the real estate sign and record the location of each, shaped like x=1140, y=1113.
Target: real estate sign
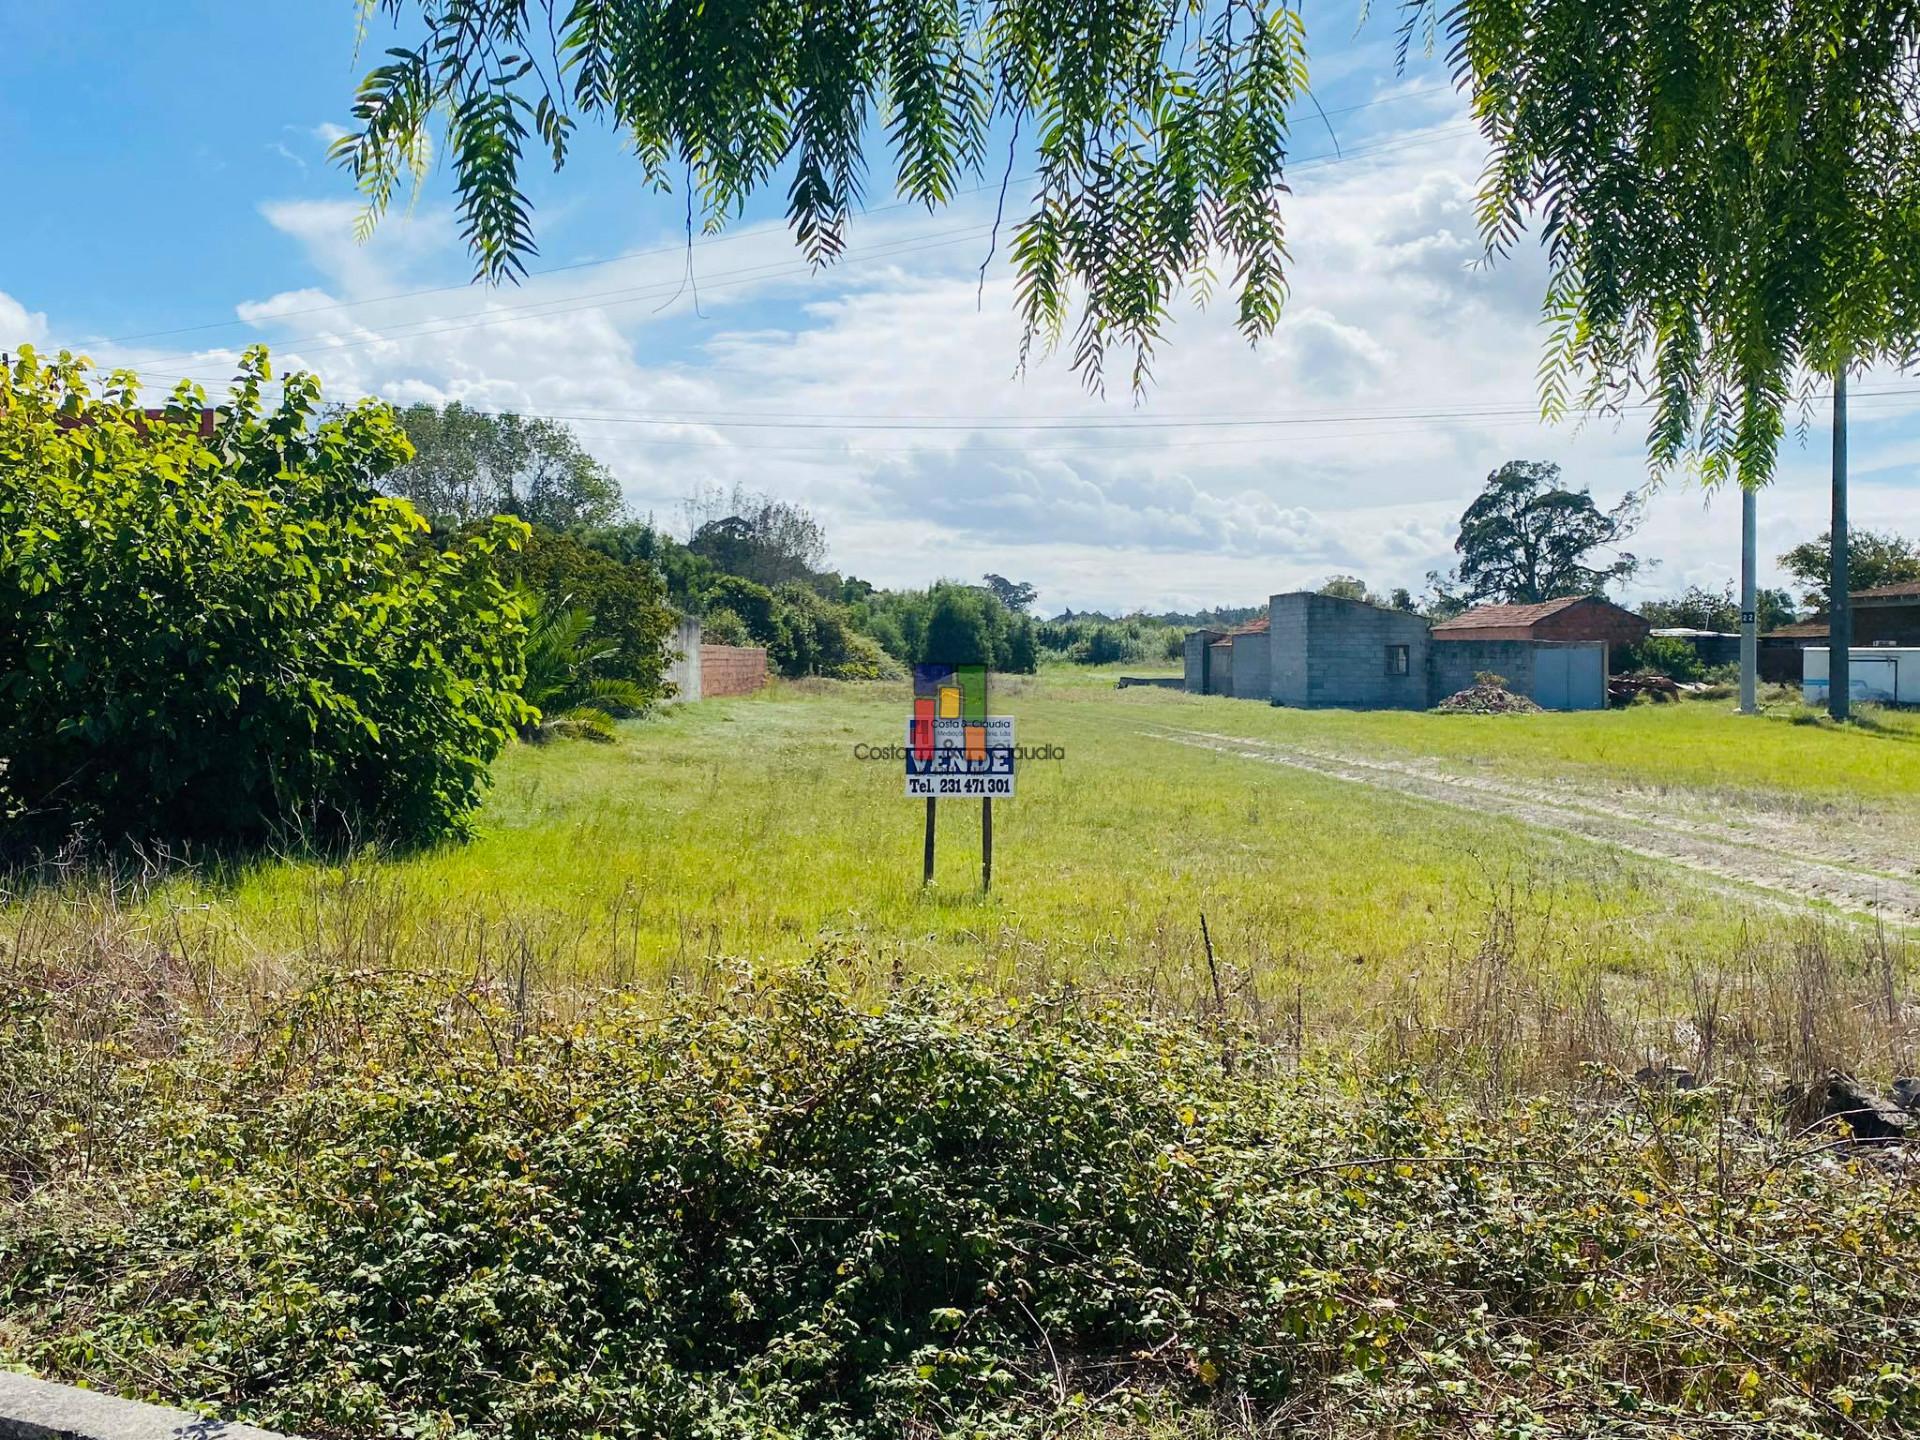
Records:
x=954, y=747
x=946, y=761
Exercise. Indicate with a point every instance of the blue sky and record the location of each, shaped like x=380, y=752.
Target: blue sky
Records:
x=172, y=203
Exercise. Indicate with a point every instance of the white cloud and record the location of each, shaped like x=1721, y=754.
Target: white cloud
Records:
x=1403, y=370
x=19, y=325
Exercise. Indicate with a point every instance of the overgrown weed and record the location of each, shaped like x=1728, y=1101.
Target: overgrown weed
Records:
x=798, y=1206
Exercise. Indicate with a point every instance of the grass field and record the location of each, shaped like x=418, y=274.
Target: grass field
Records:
x=1703, y=746
x=747, y=831
x=1788, y=754
x=633, y=1116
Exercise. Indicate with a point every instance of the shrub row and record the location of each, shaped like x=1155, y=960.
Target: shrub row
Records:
x=402, y=1208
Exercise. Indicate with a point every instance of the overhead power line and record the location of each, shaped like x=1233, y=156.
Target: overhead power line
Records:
x=1342, y=424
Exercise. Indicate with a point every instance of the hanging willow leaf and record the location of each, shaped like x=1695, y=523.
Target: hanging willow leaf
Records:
x=1160, y=128
x=1729, y=192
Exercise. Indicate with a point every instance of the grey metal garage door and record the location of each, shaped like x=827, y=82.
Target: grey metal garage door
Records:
x=1570, y=677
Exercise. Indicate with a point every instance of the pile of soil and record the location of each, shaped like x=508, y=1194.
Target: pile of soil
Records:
x=1487, y=699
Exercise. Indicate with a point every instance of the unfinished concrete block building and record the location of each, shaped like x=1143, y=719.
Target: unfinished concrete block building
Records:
x=1229, y=662
x=1321, y=651
x=1346, y=653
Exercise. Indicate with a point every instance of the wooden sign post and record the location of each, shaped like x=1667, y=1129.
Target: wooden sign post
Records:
x=986, y=844
x=955, y=748
x=926, y=868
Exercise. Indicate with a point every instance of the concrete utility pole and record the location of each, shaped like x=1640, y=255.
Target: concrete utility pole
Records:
x=1839, y=593
x=1749, y=604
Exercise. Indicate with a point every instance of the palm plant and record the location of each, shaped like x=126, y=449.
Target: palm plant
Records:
x=570, y=700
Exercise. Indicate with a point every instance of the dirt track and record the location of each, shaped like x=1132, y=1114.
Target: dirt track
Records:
x=1849, y=867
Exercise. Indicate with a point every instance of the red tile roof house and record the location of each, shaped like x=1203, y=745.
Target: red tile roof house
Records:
x=1574, y=617
x=1884, y=615
x=1532, y=646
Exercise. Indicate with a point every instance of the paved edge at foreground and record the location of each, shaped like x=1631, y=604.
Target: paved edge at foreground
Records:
x=1780, y=875
x=41, y=1410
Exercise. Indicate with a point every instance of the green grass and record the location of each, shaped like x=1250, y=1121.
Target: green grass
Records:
x=747, y=830
x=434, y=1190
x=1788, y=751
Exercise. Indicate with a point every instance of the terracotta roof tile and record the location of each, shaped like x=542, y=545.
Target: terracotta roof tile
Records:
x=1814, y=629
x=1500, y=617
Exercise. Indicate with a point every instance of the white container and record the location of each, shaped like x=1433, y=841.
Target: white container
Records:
x=1876, y=675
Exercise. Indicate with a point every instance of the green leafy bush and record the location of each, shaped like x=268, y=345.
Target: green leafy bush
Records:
x=228, y=636
x=803, y=632
x=952, y=623
x=1667, y=655
x=755, y=605
x=964, y=624
x=1091, y=640
x=723, y=627
x=402, y=1208
x=866, y=659
x=626, y=600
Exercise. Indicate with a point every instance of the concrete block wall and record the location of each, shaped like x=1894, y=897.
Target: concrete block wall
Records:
x=1219, y=669
x=1251, y=662
x=1326, y=652
x=1196, y=659
x=1712, y=649
x=731, y=670
x=1783, y=662
x=683, y=659
x=1287, y=649
x=1347, y=643
x=1456, y=662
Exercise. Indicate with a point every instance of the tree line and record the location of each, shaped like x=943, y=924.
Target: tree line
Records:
x=1725, y=190
x=753, y=567
x=288, y=621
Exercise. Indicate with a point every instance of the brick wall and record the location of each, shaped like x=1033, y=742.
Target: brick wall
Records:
x=731, y=670
x=1880, y=624
x=1593, y=619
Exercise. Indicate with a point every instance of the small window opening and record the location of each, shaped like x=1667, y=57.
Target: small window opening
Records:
x=1399, y=660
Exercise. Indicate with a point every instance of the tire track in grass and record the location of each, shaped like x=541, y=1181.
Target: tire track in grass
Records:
x=1783, y=870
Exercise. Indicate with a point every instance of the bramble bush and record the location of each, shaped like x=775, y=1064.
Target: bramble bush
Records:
x=229, y=637
x=402, y=1207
